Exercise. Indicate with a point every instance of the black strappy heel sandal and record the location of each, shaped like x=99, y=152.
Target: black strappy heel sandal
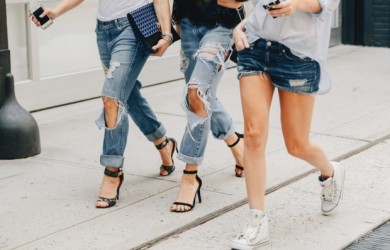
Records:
x=162, y=145
x=196, y=193
x=234, y=144
x=112, y=201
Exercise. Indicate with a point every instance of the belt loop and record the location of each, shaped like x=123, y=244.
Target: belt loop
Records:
x=117, y=23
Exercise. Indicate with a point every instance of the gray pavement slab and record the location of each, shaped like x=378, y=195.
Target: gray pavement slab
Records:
x=50, y=197
x=294, y=211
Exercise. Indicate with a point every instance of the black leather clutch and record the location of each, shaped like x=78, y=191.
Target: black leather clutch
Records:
x=145, y=25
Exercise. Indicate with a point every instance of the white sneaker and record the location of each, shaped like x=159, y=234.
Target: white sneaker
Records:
x=254, y=233
x=332, y=189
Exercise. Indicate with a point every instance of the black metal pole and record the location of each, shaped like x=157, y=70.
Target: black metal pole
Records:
x=19, y=134
x=5, y=66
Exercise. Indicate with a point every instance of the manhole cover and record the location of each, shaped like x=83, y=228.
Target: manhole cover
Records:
x=379, y=239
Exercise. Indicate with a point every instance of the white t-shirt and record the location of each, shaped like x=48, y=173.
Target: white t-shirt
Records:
x=113, y=9
x=307, y=35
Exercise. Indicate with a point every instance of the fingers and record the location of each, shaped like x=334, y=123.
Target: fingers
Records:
x=242, y=44
x=46, y=12
x=286, y=8
x=161, y=47
x=35, y=21
x=240, y=40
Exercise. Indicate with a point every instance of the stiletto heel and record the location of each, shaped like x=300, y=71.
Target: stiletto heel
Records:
x=197, y=193
x=162, y=145
x=240, y=136
x=112, y=201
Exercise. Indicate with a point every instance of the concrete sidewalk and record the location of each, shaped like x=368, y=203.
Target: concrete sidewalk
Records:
x=48, y=200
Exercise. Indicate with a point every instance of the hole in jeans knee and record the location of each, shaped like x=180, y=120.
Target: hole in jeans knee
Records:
x=195, y=103
x=111, y=111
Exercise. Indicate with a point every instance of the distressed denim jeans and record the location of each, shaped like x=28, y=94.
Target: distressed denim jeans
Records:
x=204, y=54
x=123, y=60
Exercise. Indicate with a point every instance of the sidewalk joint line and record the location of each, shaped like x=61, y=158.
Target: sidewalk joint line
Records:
x=240, y=203
x=218, y=212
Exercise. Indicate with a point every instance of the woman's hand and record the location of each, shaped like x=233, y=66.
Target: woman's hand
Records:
x=239, y=36
x=47, y=12
x=161, y=47
x=286, y=8
x=289, y=7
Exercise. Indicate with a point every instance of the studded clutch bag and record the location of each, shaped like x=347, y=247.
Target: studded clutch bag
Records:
x=145, y=25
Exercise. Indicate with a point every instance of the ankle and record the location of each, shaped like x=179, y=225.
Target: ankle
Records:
x=189, y=179
x=111, y=180
x=160, y=141
x=112, y=169
x=234, y=139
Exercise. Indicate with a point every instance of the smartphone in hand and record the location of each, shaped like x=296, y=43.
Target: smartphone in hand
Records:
x=44, y=21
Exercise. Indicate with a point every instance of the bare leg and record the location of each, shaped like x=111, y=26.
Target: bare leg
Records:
x=256, y=97
x=188, y=187
x=296, y=116
x=188, y=184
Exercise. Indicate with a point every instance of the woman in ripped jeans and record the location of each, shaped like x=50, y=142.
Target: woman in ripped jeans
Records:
x=206, y=37
x=123, y=59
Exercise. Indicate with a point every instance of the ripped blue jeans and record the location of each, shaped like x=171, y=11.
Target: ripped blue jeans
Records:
x=204, y=54
x=123, y=60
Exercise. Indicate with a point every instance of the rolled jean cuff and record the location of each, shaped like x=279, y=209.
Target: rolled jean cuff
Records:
x=190, y=160
x=112, y=161
x=231, y=131
x=158, y=134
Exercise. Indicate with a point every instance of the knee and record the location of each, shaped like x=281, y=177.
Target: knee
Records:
x=111, y=108
x=195, y=104
x=255, y=138
x=297, y=148
x=110, y=105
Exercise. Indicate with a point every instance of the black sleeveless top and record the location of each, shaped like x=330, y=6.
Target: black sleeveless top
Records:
x=207, y=13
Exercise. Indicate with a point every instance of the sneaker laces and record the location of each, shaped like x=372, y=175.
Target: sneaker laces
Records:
x=250, y=230
x=329, y=192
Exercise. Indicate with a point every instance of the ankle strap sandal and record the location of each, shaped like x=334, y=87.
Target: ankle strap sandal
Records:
x=197, y=193
x=168, y=169
x=112, y=201
x=113, y=174
x=239, y=137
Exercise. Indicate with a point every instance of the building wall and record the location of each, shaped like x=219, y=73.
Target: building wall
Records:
x=60, y=65
x=377, y=23
x=366, y=22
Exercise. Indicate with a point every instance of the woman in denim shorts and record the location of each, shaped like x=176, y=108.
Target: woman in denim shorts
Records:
x=206, y=37
x=283, y=46
x=123, y=58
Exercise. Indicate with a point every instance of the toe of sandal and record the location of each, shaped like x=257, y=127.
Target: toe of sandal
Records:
x=168, y=169
x=238, y=167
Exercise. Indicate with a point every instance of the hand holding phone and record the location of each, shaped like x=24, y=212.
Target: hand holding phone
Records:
x=280, y=8
x=270, y=5
x=44, y=21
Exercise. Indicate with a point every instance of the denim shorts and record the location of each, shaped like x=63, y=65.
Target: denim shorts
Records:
x=287, y=71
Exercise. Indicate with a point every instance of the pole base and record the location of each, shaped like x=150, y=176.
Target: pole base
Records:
x=19, y=133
